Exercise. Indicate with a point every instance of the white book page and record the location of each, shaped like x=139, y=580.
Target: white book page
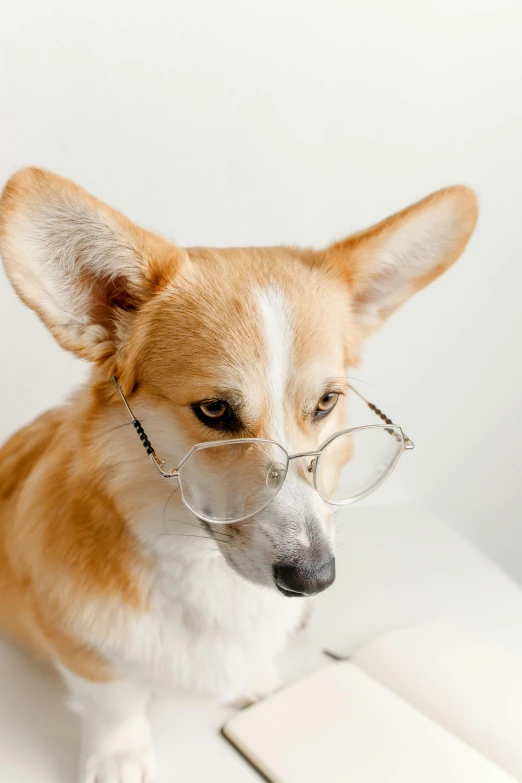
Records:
x=467, y=683
x=340, y=726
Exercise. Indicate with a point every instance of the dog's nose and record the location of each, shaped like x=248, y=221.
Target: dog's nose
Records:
x=301, y=580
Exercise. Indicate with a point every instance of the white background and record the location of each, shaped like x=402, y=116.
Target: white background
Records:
x=279, y=121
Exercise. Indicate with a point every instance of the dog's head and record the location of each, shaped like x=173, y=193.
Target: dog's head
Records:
x=225, y=343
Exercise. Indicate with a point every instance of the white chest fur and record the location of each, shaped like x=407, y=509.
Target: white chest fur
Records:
x=207, y=630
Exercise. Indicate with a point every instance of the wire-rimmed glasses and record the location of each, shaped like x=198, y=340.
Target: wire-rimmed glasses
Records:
x=229, y=481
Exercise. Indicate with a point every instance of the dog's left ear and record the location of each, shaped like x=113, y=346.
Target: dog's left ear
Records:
x=384, y=265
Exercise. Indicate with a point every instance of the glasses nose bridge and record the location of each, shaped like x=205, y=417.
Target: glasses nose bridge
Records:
x=308, y=456
x=303, y=454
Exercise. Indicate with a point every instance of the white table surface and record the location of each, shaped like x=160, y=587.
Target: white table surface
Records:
x=396, y=566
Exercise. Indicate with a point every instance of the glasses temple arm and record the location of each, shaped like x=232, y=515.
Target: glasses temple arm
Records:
x=408, y=443
x=159, y=463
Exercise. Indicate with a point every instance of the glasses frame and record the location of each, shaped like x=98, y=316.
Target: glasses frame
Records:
x=393, y=429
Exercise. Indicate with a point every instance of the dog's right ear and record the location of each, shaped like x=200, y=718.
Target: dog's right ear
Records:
x=82, y=266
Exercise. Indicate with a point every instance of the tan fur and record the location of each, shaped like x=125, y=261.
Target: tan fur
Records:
x=176, y=326
x=79, y=544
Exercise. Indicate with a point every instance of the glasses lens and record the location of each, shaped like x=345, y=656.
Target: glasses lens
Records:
x=227, y=482
x=355, y=463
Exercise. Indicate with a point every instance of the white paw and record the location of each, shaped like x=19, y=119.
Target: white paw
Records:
x=121, y=753
x=131, y=767
x=264, y=685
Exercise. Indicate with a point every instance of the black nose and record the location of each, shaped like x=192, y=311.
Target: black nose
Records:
x=301, y=580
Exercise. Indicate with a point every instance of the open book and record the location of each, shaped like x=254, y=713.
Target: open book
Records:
x=435, y=703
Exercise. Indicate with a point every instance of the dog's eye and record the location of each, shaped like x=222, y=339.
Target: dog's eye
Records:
x=214, y=409
x=326, y=404
x=218, y=415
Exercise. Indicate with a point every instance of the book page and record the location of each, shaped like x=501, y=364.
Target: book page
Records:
x=467, y=683
x=339, y=726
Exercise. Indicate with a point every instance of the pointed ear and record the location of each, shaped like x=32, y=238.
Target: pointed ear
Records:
x=82, y=266
x=389, y=262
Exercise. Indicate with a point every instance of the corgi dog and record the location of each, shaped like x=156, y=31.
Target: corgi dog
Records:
x=164, y=528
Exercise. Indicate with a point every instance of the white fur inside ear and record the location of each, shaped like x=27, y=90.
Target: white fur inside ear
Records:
x=402, y=258
x=75, y=261
x=66, y=249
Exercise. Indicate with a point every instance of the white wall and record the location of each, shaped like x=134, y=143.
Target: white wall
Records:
x=289, y=121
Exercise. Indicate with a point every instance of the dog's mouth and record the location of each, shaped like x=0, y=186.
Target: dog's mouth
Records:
x=289, y=593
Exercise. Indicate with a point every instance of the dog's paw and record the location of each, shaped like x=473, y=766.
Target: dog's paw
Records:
x=118, y=754
x=260, y=688
x=137, y=766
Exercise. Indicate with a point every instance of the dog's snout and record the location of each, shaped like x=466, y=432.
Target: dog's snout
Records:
x=305, y=579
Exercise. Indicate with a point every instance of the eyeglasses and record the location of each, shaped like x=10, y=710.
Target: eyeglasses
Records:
x=228, y=481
